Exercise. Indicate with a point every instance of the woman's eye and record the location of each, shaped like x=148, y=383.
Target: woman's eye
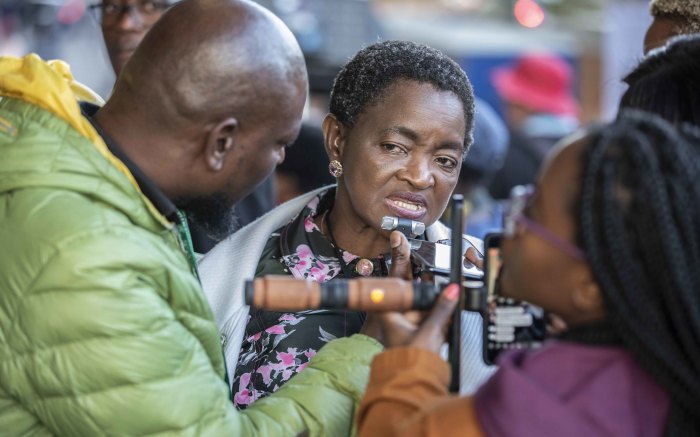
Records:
x=391, y=147
x=447, y=163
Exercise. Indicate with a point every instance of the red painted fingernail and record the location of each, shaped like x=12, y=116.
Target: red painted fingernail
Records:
x=452, y=292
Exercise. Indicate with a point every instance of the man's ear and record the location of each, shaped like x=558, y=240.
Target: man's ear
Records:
x=220, y=142
x=333, y=137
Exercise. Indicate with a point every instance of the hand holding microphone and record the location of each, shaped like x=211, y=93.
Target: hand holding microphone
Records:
x=426, y=331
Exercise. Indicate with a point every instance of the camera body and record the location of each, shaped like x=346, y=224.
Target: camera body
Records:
x=434, y=257
x=508, y=323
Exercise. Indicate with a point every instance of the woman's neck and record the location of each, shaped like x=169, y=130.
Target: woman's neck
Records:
x=350, y=233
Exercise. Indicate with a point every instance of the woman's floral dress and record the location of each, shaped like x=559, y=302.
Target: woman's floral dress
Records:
x=278, y=345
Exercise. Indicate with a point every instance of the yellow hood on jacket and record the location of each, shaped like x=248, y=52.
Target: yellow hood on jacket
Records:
x=50, y=85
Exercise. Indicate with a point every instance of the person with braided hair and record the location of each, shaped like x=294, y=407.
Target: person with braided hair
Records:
x=610, y=241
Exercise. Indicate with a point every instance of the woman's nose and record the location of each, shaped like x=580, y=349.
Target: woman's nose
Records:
x=418, y=174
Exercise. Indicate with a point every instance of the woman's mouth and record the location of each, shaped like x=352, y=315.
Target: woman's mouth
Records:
x=406, y=205
x=410, y=209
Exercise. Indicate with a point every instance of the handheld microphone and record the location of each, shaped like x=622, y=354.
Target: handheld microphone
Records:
x=410, y=228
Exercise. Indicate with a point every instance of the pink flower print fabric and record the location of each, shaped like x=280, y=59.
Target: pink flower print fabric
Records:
x=278, y=345
x=274, y=354
x=303, y=264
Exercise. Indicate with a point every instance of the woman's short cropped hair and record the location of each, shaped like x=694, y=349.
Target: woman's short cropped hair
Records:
x=364, y=79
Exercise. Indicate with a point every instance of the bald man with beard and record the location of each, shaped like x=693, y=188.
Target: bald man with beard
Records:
x=103, y=325
x=124, y=24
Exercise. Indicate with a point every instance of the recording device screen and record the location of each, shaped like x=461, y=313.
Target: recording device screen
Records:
x=508, y=324
x=435, y=258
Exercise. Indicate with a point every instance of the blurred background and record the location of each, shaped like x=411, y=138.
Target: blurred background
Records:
x=601, y=39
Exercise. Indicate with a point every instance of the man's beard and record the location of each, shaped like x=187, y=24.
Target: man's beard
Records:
x=213, y=215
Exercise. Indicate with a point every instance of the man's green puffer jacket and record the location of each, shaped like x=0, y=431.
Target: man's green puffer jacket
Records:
x=103, y=326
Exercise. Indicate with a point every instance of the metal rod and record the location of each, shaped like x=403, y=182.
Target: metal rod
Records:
x=457, y=220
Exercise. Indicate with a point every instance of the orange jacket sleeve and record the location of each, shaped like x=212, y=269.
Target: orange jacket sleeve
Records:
x=407, y=396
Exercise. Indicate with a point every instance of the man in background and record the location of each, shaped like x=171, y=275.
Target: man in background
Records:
x=124, y=24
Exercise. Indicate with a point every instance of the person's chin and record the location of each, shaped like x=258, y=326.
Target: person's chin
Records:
x=124, y=56
x=215, y=228
x=502, y=285
x=213, y=215
x=120, y=58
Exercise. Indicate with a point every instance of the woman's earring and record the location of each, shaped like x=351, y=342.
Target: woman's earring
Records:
x=335, y=168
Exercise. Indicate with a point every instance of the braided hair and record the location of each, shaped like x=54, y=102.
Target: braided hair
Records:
x=640, y=228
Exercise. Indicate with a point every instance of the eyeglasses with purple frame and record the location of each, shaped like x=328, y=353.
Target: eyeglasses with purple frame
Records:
x=519, y=198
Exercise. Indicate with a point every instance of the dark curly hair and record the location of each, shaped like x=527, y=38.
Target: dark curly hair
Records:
x=364, y=79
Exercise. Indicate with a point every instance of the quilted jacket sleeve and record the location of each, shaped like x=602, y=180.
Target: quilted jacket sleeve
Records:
x=99, y=346
x=322, y=399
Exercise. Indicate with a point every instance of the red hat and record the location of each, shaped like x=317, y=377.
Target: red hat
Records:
x=540, y=82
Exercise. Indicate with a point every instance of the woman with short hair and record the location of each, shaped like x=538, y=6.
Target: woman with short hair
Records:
x=400, y=122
